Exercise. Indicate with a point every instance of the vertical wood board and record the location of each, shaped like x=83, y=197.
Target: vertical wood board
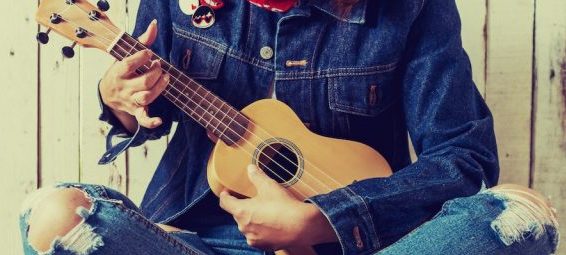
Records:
x=509, y=84
x=19, y=110
x=549, y=162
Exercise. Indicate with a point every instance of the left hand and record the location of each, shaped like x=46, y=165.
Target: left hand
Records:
x=274, y=218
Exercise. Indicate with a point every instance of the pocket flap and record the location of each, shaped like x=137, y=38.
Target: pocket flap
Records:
x=198, y=57
x=362, y=95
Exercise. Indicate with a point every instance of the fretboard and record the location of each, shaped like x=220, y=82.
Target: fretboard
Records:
x=210, y=111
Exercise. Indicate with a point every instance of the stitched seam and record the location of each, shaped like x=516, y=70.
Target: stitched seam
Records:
x=223, y=48
x=198, y=199
x=338, y=72
x=172, y=241
x=366, y=213
x=178, y=164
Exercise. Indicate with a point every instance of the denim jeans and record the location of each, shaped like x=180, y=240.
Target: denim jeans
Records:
x=490, y=222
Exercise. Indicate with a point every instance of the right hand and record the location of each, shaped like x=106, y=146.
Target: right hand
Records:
x=128, y=93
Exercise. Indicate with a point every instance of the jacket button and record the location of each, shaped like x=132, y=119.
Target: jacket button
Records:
x=266, y=52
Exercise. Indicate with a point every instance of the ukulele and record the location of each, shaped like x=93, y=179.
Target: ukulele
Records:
x=266, y=133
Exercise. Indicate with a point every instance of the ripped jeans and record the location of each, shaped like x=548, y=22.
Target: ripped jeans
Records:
x=496, y=221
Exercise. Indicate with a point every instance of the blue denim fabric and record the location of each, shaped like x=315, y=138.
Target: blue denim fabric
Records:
x=124, y=230
x=463, y=226
x=388, y=68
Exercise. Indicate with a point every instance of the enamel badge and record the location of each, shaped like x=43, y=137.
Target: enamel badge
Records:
x=189, y=6
x=203, y=17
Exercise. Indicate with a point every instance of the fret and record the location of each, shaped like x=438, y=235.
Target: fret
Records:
x=195, y=100
x=210, y=103
x=222, y=119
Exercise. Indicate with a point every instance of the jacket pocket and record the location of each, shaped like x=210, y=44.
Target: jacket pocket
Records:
x=199, y=57
x=365, y=95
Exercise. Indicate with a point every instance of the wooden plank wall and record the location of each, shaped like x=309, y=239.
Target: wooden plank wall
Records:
x=519, y=64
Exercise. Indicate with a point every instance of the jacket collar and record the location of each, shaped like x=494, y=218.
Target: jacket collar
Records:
x=357, y=15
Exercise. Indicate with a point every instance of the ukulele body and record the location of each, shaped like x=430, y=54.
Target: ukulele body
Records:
x=305, y=163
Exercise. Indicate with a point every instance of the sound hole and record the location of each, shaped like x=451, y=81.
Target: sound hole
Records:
x=280, y=162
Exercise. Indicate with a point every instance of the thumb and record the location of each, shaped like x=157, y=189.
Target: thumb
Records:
x=259, y=179
x=148, y=38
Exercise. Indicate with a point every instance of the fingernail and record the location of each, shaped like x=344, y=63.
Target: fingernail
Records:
x=154, y=21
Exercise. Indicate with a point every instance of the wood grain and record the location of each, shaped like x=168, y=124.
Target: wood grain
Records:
x=19, y=111
x=549, y=161
x=59, y=119
x=54, y=134
x=94, y=64
x=509, y=84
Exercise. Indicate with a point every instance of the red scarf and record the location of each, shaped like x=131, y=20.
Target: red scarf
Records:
x=275, y=5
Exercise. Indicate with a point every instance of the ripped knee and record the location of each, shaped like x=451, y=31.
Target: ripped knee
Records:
x=56, y=218
x=526, y=212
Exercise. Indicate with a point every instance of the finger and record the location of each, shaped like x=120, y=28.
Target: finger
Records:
x=150, y=34
x=147, y=80
x=258, y=178
x=211, y=136
x=230, y=203
x=146, y=97
x=130, y=64
x=144, y=120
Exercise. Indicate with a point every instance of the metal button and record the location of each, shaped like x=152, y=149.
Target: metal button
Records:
x=266, y=52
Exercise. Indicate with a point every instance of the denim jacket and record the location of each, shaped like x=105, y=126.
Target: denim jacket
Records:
x=385, y=69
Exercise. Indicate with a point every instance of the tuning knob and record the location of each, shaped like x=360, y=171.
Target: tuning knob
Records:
x=94, y=15
x=103, y=5
x=55, y=18
x=68, y=51
x=80, y=32
x=43, y=37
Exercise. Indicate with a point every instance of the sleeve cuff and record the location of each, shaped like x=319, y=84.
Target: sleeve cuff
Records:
x=351, y=220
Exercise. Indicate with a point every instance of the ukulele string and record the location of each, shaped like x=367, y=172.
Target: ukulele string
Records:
x=245, y=128
x=213, y=117
x=245, y=150
x=262, y=129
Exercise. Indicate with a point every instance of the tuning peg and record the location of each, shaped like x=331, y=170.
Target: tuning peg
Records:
x=103, y=5
x=70, y=2
x=80, y=32
x=94, y=15
x=68, y=51
x=43, y=37
x=55, y=18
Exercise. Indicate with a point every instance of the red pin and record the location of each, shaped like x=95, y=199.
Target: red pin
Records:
x=275, y=5
x=214, y=4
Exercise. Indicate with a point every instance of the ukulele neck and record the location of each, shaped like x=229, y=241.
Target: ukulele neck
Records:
x=210, y=111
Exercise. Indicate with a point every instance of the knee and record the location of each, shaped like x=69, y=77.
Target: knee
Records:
x=53, y=214
x=526, y=212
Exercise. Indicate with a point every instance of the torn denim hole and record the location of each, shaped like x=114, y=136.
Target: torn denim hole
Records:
x=522, y=216
x=81, y=239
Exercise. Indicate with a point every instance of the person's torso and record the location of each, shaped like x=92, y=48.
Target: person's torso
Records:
x=341, y=76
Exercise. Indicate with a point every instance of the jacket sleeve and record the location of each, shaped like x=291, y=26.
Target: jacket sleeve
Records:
x=118, y=138
x=452, y=132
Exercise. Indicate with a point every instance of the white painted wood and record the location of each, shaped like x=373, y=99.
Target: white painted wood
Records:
x=94, y=64
x=474, y=16
x=59, y=124
x=509, y=84
x=19, y=111
x=549, y=160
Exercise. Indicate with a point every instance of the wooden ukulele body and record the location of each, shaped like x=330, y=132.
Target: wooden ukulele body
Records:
x=321, y=164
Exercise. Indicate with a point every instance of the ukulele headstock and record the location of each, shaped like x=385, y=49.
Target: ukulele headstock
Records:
x=79, y=21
